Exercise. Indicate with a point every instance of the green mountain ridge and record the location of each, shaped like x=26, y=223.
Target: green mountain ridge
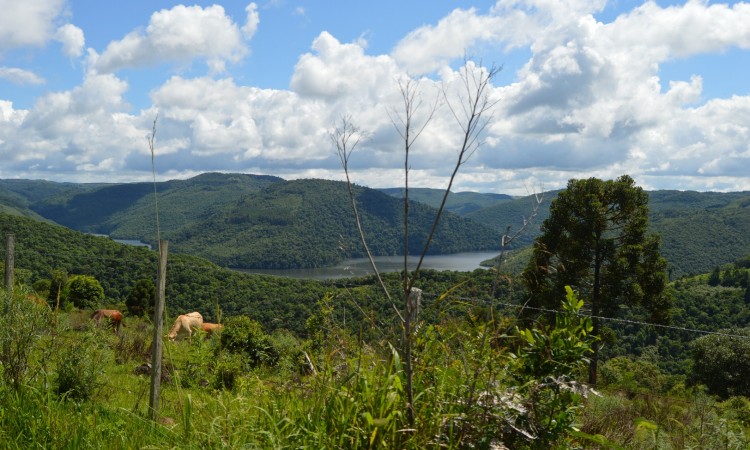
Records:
x=461, y=203
x=254, y=221
x=251, y=221
x=699, y=230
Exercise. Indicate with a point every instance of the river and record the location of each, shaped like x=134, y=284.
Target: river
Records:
x=462, y=262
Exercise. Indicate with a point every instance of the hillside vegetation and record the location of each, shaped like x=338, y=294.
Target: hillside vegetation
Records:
x=192, y=284
x=253, y=221
x=699, y=230
x=461, y=203
x=249, y=221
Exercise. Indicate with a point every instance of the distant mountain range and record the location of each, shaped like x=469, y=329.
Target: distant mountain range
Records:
x=245, y=221
x=253, y=221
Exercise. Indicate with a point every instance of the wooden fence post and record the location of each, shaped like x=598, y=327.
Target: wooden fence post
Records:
x=156, y=350
x=10, y=241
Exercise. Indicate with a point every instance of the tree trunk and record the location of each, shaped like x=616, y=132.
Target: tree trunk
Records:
x=595, y=302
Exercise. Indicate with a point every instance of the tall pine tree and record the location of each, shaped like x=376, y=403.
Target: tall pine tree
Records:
x=595, y=240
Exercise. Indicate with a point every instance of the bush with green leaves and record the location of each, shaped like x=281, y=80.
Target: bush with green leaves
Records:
x=632, y=375
x=84, y=291
x=228, y=369
x=141, y=299
x=721, y=362
x=544, y=368
x=80, y=365
x=22, y=324
x=244, y=336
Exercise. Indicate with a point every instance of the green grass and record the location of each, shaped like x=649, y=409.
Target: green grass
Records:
x=475, y=386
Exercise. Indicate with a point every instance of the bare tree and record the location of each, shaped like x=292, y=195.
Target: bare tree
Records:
x=471, y=112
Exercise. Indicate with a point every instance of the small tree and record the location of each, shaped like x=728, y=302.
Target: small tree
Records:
x=715, y=278
x=84, y=291
x=595, y=241
x=22, y=324
x=58, y=282
x=722, y=362
x=246, y=337
x=471, y=113
x=141, y=299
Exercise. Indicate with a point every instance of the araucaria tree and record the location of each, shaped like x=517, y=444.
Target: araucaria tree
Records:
x=595, y=240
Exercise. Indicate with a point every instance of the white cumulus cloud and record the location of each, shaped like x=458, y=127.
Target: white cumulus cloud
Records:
x=253, y=19
x=591, y=99
x=28, y=22
x=20, y=76
x=180, y=34
x=72, y=40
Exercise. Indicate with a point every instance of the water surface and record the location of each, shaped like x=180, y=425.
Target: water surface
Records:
x=357, y=267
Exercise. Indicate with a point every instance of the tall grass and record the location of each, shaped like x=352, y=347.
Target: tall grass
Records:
x=476, y=384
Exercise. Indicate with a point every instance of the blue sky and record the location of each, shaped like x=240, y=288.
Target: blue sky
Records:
x=658, y=90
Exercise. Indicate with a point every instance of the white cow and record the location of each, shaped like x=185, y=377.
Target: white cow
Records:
x=185, y=324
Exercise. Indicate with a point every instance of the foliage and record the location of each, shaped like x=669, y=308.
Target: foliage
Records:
x=545, y=367
x=461, y=203
x=632, y=375
x=57, y=285
x=251, y=221
x=697, y=306
x=84, y=292
x=126, y=211
x=476, y=384
x=22, y=323
x=595, y=241
x=80, y=365
x=245, y=337
x=722, y=362
x=142, y=298
x=699, y=230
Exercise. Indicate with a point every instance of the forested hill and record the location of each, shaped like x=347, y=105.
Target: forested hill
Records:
x=259, y=221
x=699, y=230
x=250, y=221
x=307, y=223
x=192, y=284
x=127, y=211
x=461, y=203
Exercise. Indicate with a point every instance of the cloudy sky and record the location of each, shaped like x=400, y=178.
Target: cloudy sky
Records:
x=658, y=90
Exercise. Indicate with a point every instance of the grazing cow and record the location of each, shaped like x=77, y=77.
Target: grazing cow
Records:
x=186, y=323
x=113, y=316
x=210, y=328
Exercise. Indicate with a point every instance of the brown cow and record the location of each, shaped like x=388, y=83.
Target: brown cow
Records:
x=211, y=328
x=114, y=318
x=186, y=323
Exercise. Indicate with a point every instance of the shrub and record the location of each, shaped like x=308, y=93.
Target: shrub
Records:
x=722, y=362
x=291, y=360
x=543, y=368
x=134, y=345
x=228, y=370
x=141, y=299
x=22, y=324
x=246, y=337
x=632, y=375
x=84, y=291
x=79, y=366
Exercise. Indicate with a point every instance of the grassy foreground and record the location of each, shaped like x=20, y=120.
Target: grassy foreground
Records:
x=480, y=382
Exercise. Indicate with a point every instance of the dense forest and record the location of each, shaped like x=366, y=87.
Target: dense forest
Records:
x=699, y=230
x=193, y=283
x=253, y=221
x=249, y=221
